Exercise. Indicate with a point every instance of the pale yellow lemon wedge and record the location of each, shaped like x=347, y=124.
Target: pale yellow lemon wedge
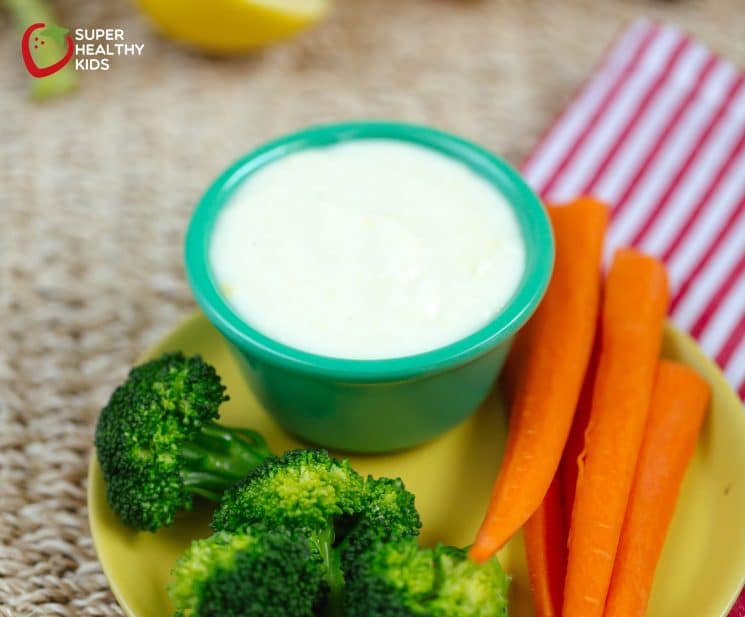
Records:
x=233, y=26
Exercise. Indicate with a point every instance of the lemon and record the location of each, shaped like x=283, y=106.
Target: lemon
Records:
x=231, y=26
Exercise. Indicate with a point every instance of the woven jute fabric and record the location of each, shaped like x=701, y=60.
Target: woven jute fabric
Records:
x=96, y=190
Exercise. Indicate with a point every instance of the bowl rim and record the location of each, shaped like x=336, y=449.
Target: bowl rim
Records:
x=530, y=213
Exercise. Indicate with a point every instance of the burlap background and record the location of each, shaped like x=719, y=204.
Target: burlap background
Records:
x=95, y=191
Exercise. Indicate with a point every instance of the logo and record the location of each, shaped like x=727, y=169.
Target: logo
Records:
x=39, y=35
x=92, y=48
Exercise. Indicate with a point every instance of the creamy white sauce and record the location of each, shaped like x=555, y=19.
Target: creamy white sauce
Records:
x=367, y=249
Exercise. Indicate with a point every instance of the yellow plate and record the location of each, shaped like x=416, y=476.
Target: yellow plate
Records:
x=702, y=567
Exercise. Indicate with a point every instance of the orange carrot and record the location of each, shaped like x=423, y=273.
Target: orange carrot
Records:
x=569, y=469
x=550, y=378
x=679, y=403
x=514, y=363
x=546, y=549
x=547, y=530
x=634, y=307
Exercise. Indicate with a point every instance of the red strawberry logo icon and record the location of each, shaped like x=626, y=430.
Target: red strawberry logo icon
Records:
x=36, y=37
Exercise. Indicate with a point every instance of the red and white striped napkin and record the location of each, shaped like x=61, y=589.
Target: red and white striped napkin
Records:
x=658, y=132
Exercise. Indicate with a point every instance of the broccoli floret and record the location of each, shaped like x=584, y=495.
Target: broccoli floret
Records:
x=256, y=573
x=467, y=589
x=339, y=511
x=389, y=580
x=388, y=512
x=302, y=488
x=399, y=579
x=310, y=489
x=390, y=508
x=158, y=443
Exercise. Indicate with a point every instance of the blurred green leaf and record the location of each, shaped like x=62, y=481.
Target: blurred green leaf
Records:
x=27, y=12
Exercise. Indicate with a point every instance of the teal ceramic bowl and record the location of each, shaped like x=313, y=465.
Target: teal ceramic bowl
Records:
x=373, y=406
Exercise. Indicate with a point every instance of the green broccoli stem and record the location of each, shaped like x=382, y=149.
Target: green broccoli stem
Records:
x=335, y=580
x=218, y=456
x=324, y=541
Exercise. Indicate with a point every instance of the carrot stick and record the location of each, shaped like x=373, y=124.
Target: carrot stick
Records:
x=679, y=403
x=569, y=468
x=514, y=363
x=546, y=549
x=546, y=531
x=635, y=303
x=550, y=378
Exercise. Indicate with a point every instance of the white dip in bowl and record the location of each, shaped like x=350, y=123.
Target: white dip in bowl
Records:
x=369, y=249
